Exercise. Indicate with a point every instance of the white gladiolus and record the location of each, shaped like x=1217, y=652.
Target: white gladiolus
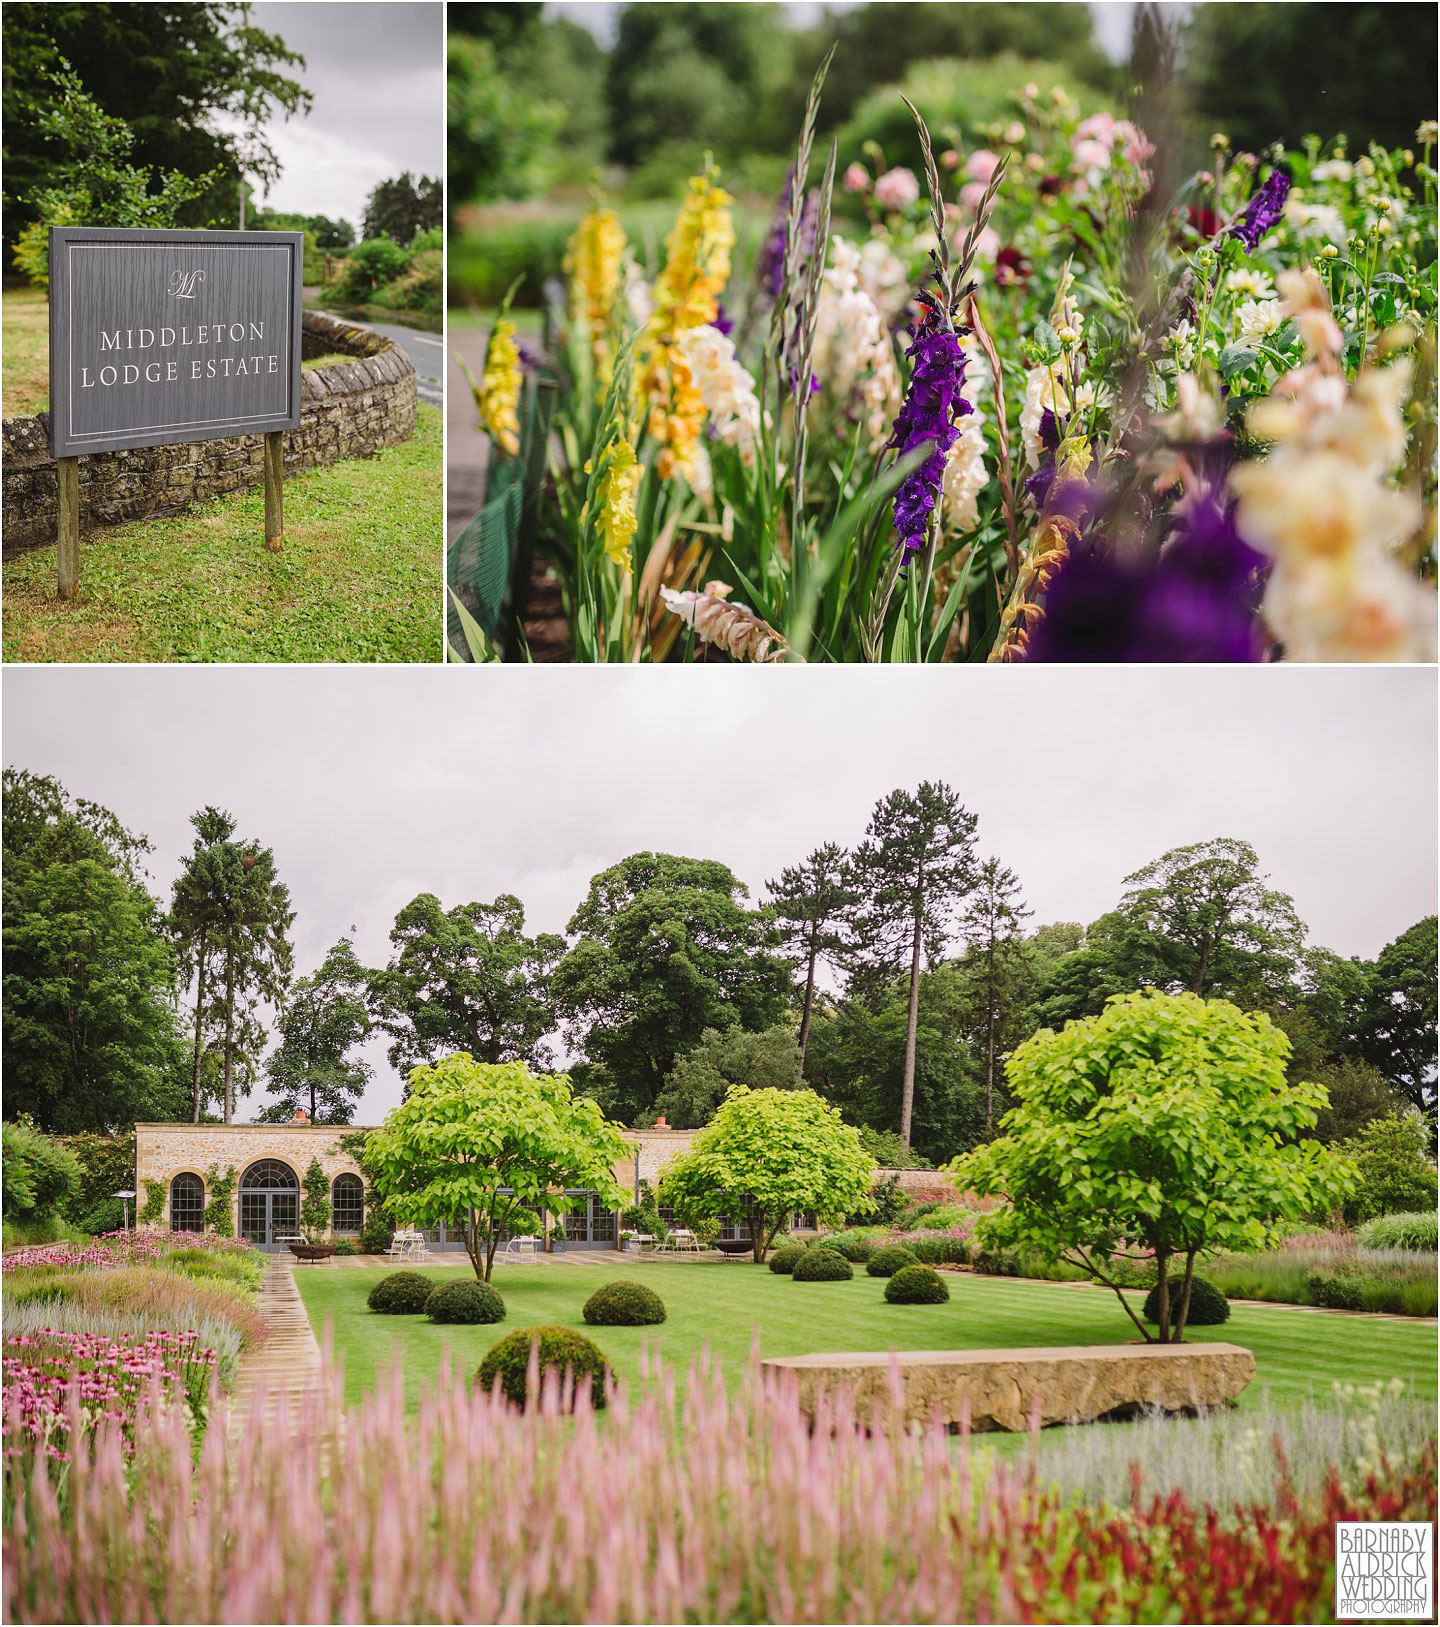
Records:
x=725, y=387
x=853, y=355
x=965, y=477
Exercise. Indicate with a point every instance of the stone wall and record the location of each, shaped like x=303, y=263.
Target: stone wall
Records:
x=346, y=411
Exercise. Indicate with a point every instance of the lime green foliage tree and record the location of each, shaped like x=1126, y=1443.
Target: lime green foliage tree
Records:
x=1163, y=1127
x=495, y=1140
x=315, y=1205
x=765, y=1154
x=1394, y=1176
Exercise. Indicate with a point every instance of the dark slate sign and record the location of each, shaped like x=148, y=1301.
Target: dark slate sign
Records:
x=159, y=337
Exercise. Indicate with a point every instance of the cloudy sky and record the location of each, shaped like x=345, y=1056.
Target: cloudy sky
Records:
x=377, y=73
x=373, y=785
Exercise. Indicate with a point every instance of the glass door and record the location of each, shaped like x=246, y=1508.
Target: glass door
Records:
x=255, y=1218
x=284, y=1215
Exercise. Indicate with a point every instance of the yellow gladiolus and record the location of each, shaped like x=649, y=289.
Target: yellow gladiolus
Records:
x=619, y=484
x=499, y=395
x=593, y=262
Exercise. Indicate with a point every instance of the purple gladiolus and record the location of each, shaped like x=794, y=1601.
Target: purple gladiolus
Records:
x=1264, y=210
x=932, y=404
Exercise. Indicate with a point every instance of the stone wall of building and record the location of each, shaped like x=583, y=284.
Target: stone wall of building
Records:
x=347, y=410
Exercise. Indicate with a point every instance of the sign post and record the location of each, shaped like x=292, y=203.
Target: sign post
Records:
x=164, y=337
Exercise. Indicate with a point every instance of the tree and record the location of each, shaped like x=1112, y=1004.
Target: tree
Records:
x=196, y=910
x=166, y=70
x=1398, y=1015
x=1201, y=918
x=324, y=1019
x=498, y=1141
x=732, y=1056
x=466, y=979
x=401, y=209
x=39, y=1176
x=331, y=234
x=991, y=926
x=89, y=1030
x=1161, y=1128
x=812, y=901
x=315, y=1205
x=500, y=139
x=1394, y=1176
x=766, y=1154
x=913, y=867
x=666, y=949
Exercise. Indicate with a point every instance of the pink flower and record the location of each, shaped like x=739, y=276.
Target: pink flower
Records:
x=971, y=194
x=897, y=189
x=1135, y=146
x=981, y=165
x=949, y=158
x=1091, y=155
x=856, y=179
x=1098, y=127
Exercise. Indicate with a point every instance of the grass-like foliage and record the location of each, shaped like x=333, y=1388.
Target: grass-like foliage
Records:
x=624, y=1304
x=823, y=1265
x=522, y=1361
x=916, y=1285
x=463, y=1301
x=403, y=1293
x=1417, y=1231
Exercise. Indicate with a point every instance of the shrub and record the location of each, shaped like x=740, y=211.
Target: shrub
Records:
x=347, y=1247
x=855, y=1249
x=1413, y=1231
x=783, y=1260
x=886, y=1262
x=1394, y=1175
x=377, y=1234
x=559, y=1348
x=997, y=1262
x=38, y=1175
x=1336, y=1292
x=938, y=1250
x=916, y=1285
x=369, y=264
x=1208, y=1306
x=463, y=1301
x=107, y=1216
x=402, y=1293
x=822, y=1265
x=940, y=1217
x=624, y=1304
x=911, y=1216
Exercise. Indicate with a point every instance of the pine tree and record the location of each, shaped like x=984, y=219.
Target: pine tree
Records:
x=196, y=912
x=991, y=927
x=914, y=866
x=812, y=901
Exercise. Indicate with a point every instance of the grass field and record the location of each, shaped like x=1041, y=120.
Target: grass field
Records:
x=25, y=386
x=1297, y=1354
x=358, y=579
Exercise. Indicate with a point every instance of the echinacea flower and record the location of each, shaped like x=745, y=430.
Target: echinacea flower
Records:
x=1264, y=210
x=500, y=387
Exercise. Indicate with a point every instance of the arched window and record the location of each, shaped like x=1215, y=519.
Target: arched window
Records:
x=267, y=1174
x=269, y=1204
x=347, y=1200
x=187, y=1204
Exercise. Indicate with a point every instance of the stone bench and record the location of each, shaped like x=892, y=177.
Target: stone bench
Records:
x=1076, y=1384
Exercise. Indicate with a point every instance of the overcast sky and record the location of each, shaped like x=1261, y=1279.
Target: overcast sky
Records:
x=375, y=784
x=377, y=72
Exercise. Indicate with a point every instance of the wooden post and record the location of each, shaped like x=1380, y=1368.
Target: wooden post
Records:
x=275, y=490
x=67, y=525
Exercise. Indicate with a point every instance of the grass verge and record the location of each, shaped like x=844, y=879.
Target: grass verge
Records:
x=25, y=381
x=358, y=579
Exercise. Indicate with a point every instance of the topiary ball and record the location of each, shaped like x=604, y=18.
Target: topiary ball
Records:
x=560, y=1348
x=886, y=1262
x=624, y=1304
x=402, y=1293
x=782, y=1261
x=463, y=1301
x=916, y=1285
x=822, y=1265
x=1208, y=1306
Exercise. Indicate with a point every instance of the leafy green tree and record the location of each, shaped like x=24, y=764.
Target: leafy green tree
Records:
x=812, y=901
x=39, y=1176
x=997, y=964
x=1079, y=983
x=324, y=1019
x=107, y=1166
x=466, y=979
x=498, y=1141
x=725, y=1057
x=165, y=70
x=665, y=950
x=1395, y=1177
x=89, y=1032
x=1162, y=1128
x=889, y=1152
x=402, y=208
x=913, y=868
x=1356, y=1094
x=500, y=138
x=315, y=1205
x=765, y=1154
x=1201, y=919
x=1398, y=1015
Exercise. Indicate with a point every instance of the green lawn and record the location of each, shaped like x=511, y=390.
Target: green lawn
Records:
x=358, y=579
x=1297, y=1354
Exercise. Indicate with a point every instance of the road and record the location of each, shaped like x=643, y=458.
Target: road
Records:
x=426, y=350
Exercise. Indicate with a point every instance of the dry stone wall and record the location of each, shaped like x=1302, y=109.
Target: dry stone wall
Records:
x=347, y=410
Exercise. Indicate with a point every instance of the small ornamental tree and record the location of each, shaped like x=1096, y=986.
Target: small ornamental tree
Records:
x=764, y=1154
x=315, y=1205
x=1163, y=1127
x=496, y=1140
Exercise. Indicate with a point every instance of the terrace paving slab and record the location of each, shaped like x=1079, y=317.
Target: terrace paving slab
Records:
x=1008, y=1389
x=276, y=1378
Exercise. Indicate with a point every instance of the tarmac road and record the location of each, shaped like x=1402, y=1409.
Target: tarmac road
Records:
x=426, y=350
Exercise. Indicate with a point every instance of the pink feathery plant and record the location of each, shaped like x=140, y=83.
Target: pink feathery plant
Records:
x=723, y=1507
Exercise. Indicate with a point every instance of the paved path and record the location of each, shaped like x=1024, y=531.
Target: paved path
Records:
x=424, y=349
x=274, y=1377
